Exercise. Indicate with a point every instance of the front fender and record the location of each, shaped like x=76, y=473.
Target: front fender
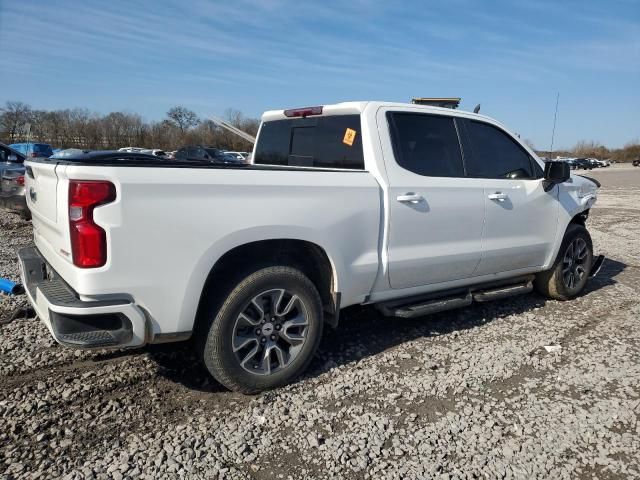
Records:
x=576, y=196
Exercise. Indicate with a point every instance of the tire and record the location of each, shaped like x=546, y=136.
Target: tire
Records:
x=266, y=311
x=570, y=272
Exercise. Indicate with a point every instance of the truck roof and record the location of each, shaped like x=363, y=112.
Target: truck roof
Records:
x=358, y=107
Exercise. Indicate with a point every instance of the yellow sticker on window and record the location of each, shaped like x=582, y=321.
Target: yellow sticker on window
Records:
x=349, y=137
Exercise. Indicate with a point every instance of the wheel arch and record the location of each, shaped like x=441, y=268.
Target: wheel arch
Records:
x=579, y=218
x=307, y=256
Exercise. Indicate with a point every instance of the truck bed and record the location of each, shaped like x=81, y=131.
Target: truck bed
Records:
x=172, y=220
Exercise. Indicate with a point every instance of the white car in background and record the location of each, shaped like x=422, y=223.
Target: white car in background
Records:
x=155, y=152
x=131, y=149
x=242, y=156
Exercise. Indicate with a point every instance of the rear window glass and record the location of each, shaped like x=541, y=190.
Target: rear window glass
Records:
x=324, y=142
x=40, y=147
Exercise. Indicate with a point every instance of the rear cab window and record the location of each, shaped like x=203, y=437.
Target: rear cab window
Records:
x=331, y=141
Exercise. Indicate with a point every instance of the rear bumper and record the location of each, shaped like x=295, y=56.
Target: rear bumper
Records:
x=14, y=203
x=113, y=322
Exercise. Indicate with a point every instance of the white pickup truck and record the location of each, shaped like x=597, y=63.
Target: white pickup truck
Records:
x=415, y=209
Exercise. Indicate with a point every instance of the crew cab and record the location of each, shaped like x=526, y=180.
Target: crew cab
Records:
x=414, y=209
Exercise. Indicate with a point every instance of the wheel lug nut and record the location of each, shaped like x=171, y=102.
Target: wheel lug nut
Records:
x=258, y=331
x=278, y=327
x=263, y=339
x=273, y=337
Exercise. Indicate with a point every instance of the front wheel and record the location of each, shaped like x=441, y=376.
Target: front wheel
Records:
x=266, y=331
x=572, y=267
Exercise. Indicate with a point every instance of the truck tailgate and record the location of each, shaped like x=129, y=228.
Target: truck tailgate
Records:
x=44, y=194
x=42, y=183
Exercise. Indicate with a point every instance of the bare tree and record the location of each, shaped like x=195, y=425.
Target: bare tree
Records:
x=183, y=118
x=14, y=117
x=591, y=149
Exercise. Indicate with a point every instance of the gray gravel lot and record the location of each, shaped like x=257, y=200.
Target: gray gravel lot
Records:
x=464, y=394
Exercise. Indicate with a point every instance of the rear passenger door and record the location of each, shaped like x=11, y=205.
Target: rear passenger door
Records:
x=521, y=218
x=435, y=213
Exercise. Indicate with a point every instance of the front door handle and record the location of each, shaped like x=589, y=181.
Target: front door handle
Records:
x=410, y=198
x=501, y=197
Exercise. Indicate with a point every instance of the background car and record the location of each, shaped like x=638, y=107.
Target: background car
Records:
x=242, y=156
x=572, y=163
x=636, y=163
x=198, y=152
x=156, y=152
x=131, y=149
x=12, y=190
x=33, y=150
x=583, y=164
x=9, y=157
x=595, y=163
x=67, y=152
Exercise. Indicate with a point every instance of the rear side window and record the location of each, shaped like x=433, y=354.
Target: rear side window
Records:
x=325, y=142
x=426, y=144
x=41, y=148
x=495, y=154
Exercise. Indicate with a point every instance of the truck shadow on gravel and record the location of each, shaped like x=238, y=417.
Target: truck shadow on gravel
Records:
x=364, y=332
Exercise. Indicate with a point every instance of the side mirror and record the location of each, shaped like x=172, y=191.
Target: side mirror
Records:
x=556, y=172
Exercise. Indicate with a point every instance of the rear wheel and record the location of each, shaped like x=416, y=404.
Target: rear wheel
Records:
x=570, y=272
x=265, y=332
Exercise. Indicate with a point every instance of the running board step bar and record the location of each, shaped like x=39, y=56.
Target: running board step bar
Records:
x=419, y=306
x=502, y=292
x=424, y=306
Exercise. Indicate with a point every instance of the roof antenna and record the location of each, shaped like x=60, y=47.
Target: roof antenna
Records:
x=477, y=109
x=553, y=134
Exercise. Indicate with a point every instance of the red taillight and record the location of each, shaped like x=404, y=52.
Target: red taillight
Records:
x=33, y=155
x=20, y=180
x=303, y=112
x=88, y=240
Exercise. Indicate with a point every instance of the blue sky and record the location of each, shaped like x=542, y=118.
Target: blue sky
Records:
x=254, y=55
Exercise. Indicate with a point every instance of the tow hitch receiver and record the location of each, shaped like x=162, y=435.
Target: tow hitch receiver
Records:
x=596, y=266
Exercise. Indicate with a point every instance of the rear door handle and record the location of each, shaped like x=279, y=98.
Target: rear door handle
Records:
x=410, y=198
x=501, y=197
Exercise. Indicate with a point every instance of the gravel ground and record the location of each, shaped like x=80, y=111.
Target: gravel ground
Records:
x=464, y=394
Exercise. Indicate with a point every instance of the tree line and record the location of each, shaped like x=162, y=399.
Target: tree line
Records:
x=81, y=128
x=590, y=149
